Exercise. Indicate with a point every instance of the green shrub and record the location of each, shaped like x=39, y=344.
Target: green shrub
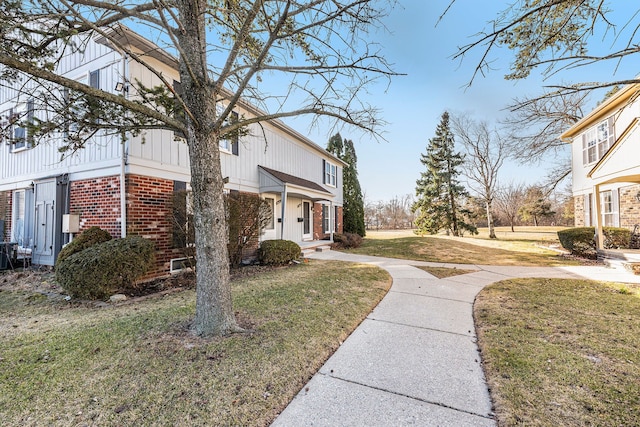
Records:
x=616, y=238
x=89, y=237
x=569, y=237
x=278, y=252
x=102, y=269
x=585, y=250
x=581, y=241
x=346, y=240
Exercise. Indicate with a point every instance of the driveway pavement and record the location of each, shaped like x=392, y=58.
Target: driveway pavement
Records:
x=414, y=360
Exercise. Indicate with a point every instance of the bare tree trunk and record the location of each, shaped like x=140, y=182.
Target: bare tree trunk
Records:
x=214, y=309
x=492, y=231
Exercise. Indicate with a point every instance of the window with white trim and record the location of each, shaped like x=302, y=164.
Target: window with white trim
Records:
x=609, y=203
x=326, y=219
x=14, y=123
x=597, y=141
x=271, y=202
x=18, y=217
x=330, y=174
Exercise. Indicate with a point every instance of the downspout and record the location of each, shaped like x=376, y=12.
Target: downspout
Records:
x=123, y=161
x=283, y=210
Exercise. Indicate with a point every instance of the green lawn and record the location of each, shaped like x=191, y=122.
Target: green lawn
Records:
x=136, y=364
x=561, y=352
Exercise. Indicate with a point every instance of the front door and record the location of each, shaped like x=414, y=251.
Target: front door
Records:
x=306, y=221
x=44, y=223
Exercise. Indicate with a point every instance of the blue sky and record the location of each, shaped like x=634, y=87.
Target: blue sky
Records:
x=434, y=83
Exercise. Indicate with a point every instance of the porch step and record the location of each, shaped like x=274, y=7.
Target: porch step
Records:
x=322, y=248
x=628, y=260
x=633, y=267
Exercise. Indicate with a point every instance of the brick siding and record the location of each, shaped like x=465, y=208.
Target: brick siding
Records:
x=318, y=233
x=149, y=213
x=5, y=213
x=629, y=206
x=578, y=214
x=97, y=201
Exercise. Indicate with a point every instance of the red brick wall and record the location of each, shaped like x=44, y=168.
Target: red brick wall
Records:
x=97, y=201
x=149, y=213
x=6, y=201
x=317, y=222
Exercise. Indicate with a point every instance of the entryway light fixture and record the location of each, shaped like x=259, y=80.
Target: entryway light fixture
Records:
x=120, y=87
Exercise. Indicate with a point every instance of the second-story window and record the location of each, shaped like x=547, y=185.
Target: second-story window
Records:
x=330, y=174
x=596, y=142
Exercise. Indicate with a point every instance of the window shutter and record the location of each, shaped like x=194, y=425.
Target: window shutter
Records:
x=612, y=133
x=235, y=142
x=324, y=171
x=30, y=121
x=94, y=79
x=585, y=158
x=587, y=210
x=178, y=111
x=615, y=207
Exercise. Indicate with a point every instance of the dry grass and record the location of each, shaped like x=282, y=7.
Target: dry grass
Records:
x=460, y=250
x=443, y=272
x=561, y=352
x=136, y=364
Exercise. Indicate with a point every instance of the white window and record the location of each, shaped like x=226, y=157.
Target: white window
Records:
x=326, y=219
x=608, y=200
x=272, y=210
x=14, y=125
x=18, y=217
x=596, y=142
x=330, y=174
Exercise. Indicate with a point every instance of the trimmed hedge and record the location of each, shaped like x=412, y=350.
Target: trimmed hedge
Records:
x=581, y=240
x=105, y=268
x=570, y=236
x=617, y=238
x=89, y=237
x=278, y=252
x=346, y=240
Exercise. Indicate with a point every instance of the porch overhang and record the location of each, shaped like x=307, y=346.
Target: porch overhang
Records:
x=272, y=181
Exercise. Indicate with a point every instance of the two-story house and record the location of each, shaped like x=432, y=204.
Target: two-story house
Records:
x=605, y=147
x=124, y=183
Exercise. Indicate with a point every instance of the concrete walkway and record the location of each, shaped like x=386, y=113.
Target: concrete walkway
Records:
x=414, y=360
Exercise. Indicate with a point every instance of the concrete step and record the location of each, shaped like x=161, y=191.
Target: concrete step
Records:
x=322, y=248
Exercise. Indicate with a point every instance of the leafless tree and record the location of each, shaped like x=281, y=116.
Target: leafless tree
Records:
x=485, y=151
x=225, y=50
x=509, y=199
x=533, y=128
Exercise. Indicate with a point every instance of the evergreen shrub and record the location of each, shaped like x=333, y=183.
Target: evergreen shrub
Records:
x=278, y=252
x=89, y=237
x=105, y=268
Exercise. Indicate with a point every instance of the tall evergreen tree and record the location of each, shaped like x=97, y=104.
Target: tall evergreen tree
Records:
x=353, y=209
x=438, y=190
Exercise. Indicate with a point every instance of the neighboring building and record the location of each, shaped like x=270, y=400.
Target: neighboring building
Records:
x=605, y=147
x=125, y=185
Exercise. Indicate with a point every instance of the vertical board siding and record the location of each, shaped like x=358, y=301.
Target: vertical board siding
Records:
x=45, y=158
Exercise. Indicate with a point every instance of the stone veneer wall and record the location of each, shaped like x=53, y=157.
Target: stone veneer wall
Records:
x=578, y=214
x=629, y=206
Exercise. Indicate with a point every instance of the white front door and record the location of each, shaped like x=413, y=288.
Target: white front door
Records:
x=306, y=221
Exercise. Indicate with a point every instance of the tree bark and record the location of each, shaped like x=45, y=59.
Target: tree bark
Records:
x=214, y=309
x=492, y=231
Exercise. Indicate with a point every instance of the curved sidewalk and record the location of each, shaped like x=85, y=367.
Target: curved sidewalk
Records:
x=414, y=360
